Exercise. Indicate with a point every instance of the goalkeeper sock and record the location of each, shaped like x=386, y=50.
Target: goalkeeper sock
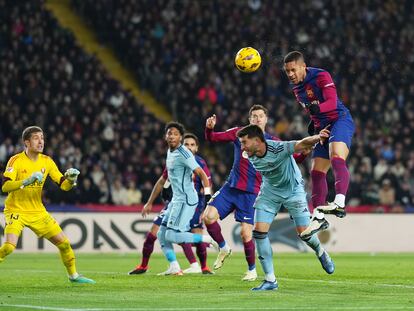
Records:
x=6, y=249
x=68, y=256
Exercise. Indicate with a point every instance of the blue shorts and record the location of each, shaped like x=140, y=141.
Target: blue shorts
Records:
x=197, y=221
x=178, y=216
x=158, y=220
x=229, y=199
x=268, y=205
x=342, y=130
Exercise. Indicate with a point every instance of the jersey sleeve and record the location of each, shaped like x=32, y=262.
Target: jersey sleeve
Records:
x=227, y=136
x=191, y=163
x=281, y=149
x=165, y=173
x=207, y=171
x=10, y=172
x=54, y=172
x=326, y=84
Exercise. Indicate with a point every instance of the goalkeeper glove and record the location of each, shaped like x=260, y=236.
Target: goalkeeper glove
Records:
x=71, y=174
x=36, y=176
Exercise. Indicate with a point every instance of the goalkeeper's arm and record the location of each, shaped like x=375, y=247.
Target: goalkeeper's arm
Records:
x=69, y=179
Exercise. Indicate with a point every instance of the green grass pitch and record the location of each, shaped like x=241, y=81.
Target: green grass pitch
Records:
x=360, y=282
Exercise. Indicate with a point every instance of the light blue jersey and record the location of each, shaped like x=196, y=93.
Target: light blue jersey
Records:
x=282, y=183
x=280, y=173
x=180, y=165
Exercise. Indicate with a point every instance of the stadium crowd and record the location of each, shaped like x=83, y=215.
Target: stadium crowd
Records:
x=182, y=51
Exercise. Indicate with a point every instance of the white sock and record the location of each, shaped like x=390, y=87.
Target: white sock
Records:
x=175, y=265
x=225, y=248
x=270, y=277
x=340, y=200
x=317, y=214
x=74, y=276
x=194, y=265
x=206, y=238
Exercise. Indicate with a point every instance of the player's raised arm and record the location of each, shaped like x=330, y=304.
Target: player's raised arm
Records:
x=308, y=142
x=210, y=135
x=154, y=194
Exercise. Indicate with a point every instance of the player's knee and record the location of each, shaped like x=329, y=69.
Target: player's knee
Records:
x=8, y=248
x=209, y=217
x=64, y=245
x=170, y=235
x=246, y=235
x=258, y=235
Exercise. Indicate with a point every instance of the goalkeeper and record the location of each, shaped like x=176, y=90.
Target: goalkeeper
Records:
x=23, y=180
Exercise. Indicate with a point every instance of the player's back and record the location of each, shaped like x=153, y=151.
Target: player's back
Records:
x=180, y=176
x=278, y=168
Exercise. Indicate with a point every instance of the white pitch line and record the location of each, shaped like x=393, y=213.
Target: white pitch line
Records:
x=236, y=275
x=208, y=308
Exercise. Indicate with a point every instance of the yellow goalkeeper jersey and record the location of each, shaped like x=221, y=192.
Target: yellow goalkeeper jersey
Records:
x=29, y=199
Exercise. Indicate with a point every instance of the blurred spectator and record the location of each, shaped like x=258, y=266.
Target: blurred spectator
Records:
x=134, y=195
x=119, y=193
x=386, y=193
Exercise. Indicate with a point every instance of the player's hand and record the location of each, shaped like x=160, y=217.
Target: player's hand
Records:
x=314, y=108
x=146, y=210
x=211, y=122
x=36, y=176
x=72, y=174
x=324, y=135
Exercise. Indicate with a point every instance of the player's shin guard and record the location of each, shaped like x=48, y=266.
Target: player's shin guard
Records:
x=319, y=188
x=188, y=252
x=148, y=248
x=6, y=249
x=201, y=249
x=341, y=174
x=214, y=230
x=264, y=250
x=314, y=243
x=68, y=256
x=249, y=251
x=166, y=246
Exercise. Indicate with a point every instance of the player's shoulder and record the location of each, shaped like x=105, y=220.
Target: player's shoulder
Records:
x=184, y=152
x=275, y=146
x=200, y=160
x=315, y=70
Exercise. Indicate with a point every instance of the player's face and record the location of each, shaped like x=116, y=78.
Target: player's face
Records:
x=295, y=71
x=36, y=143
x=191, y=144
x=173, y=137
x=259, y=118
x=249, y=145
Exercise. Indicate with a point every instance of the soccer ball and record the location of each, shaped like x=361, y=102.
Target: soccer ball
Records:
x=248, y=59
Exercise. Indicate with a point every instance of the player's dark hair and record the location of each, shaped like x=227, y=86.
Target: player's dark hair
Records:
x=293, y=56
x=257, y=107
x=251, y=131
x=28, y=131
x=176, y=125
x=193, y=136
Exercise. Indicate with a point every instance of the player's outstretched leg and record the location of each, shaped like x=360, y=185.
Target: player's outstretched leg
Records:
x=5, y=250
x=324, y=258
x=147, y=250
x=265, y=254
x=168, y=250
x=189, y=254
x=214, y=230
x=68, y=258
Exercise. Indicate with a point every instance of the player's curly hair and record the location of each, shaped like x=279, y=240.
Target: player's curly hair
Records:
x=28, y=131
x=193, y=136
x=251, y=131
x=176, y=125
